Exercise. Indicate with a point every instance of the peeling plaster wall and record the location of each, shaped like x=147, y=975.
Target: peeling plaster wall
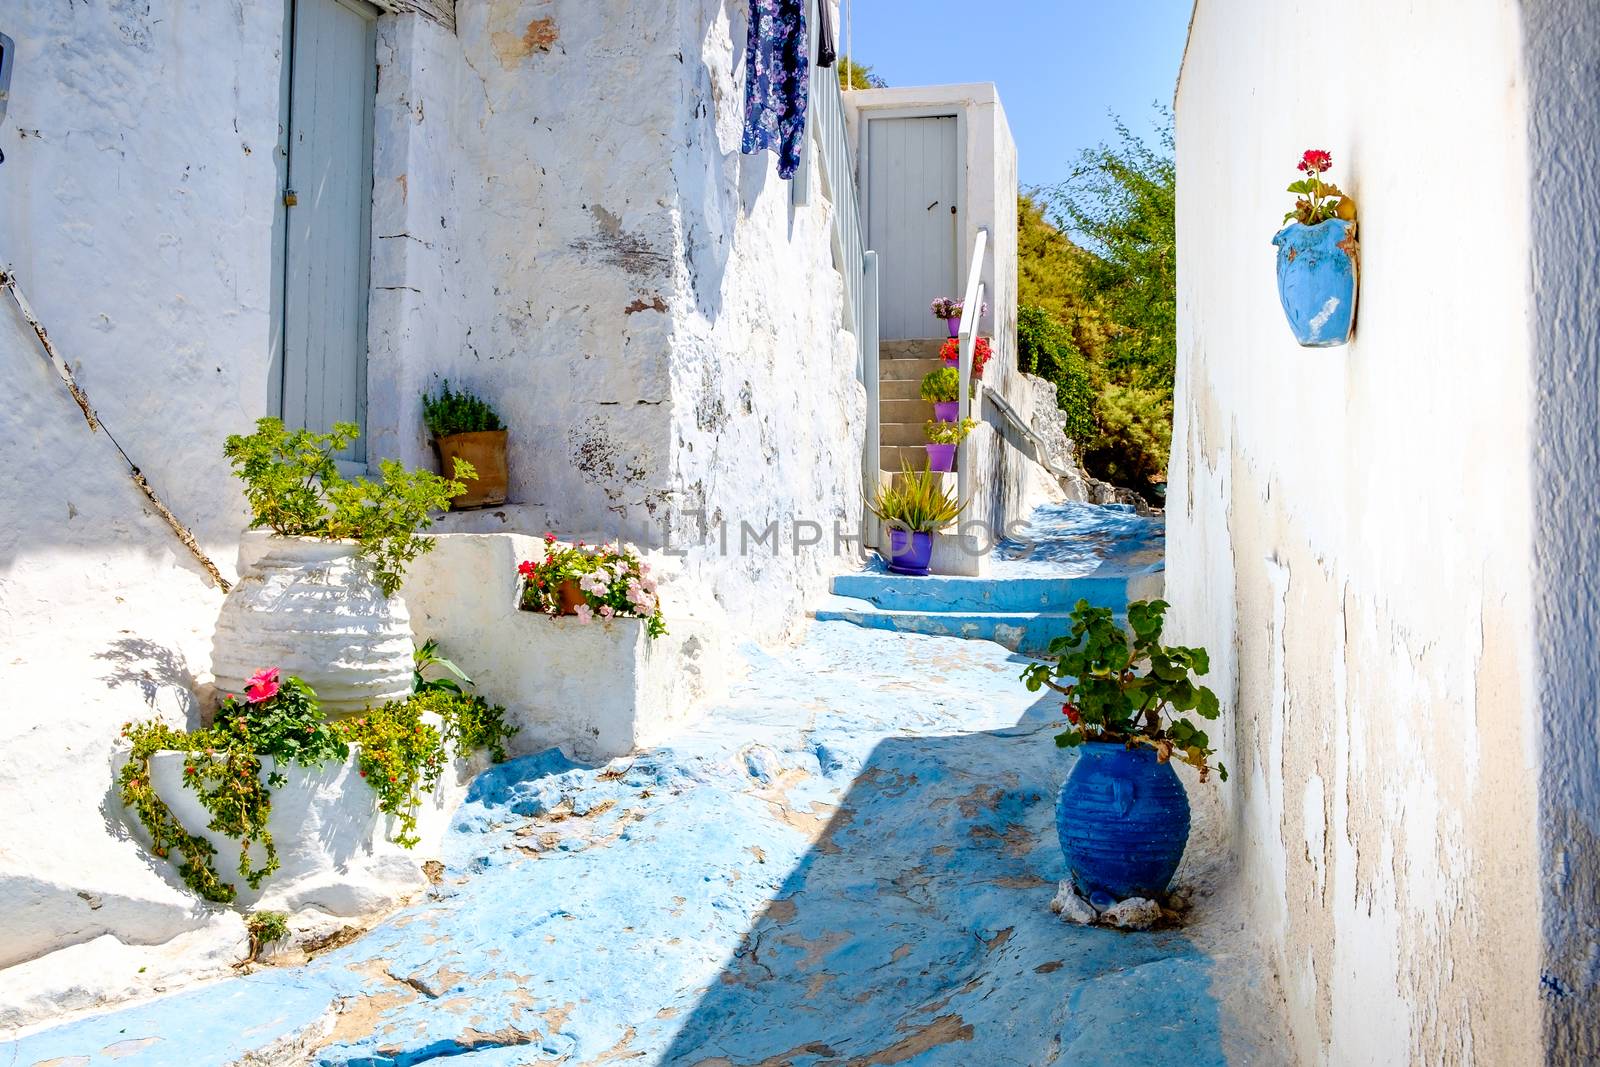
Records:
x=1349, y=529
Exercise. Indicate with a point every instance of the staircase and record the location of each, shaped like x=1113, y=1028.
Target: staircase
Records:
x=901, y=409
x=1105, y=555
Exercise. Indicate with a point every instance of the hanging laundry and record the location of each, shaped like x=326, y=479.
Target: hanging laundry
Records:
x=777, y=81
x=827, y=49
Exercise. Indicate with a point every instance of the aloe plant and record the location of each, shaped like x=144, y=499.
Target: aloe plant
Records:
x=916, y=501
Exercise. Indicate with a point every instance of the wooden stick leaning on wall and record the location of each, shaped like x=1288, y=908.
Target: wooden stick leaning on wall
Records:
x=8, y=282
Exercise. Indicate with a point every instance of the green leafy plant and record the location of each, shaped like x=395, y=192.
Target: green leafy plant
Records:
x=1318, y=201
x=457, y=412
x=611, y=581
x=948, y=433
x=915, y=501
x=469, y=722
x=941, y=386
x=1132, y=692
x=294, y=488
x=427, y=657
x=401, y=759
x=264, y=928
x=1046, y=348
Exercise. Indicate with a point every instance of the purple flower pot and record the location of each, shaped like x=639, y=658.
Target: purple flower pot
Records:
x=946, y=410
x=941, y=457
x=955, y=325
x=909, y=552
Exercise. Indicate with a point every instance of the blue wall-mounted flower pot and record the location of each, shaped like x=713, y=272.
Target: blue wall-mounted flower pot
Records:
x=1123, y=820
x=1318, y=280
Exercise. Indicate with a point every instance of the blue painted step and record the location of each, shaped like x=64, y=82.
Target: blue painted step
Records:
x=895, y=592
x=1020, y=631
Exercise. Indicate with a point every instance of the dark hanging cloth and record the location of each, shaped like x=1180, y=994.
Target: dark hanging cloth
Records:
x=777, y=81
x=827, y=50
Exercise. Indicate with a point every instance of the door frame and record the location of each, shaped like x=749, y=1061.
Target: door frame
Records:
x=864, y=172
x=371, y=10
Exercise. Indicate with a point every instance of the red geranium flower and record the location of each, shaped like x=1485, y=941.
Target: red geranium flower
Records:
x=527, y=568
x=1317, y=160
x=1071, y=712
x=263, y=685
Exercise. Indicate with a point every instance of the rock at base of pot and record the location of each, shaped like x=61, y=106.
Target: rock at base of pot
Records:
x=1135, y=913
x=311, y=609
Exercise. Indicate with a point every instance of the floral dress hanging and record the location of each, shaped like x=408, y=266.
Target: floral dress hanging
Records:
x=777, y=81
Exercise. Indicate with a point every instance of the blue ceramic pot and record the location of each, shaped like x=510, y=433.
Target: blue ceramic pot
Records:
x=1318, y=275
x=909, y=553
x=1123, y=820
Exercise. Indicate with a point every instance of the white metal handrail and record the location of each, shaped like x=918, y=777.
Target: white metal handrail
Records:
x=971, y=319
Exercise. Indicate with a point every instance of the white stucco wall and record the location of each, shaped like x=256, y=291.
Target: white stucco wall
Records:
x=561, y=220
x=1349, y=529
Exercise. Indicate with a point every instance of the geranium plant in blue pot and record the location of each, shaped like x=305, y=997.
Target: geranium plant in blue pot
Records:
x=1318, y=258
x=1122, y=815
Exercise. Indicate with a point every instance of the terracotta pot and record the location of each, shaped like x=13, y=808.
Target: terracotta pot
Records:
x=486, y=451
x=569, y=596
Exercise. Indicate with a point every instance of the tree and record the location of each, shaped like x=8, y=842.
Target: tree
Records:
x=853, y=75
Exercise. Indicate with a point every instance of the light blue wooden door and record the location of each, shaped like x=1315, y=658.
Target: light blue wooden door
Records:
x=332, y=74
x=913, y=192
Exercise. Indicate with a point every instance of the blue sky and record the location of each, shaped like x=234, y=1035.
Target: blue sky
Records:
x=1060, y=64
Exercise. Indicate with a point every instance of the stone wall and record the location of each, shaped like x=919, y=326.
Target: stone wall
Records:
x=1350, y=528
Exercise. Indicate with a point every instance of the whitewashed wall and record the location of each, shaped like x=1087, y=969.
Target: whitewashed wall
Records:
x=1350, y=530
x=561, y=220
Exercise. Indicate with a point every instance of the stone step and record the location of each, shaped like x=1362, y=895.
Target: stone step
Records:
x=916, y=348
x=906, y=369
x=900, y=389
x=1025, y=595
x=909, y=412
x=902, y=433
x=890, y=457
x=1027, y=632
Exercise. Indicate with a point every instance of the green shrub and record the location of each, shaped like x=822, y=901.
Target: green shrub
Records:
x=457, y=412
x=1109, y=698
x=947, y=433
x=264, y=928
x=1045, y=348
x=294, y=488
x=941, y=386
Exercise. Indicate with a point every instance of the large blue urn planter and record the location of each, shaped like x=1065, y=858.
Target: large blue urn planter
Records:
x=1318, y=280
x=1123, y=820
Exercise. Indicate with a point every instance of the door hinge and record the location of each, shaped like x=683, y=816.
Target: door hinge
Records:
x=289, y=199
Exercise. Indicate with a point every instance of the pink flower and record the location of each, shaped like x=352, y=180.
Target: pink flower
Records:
x=584, y=613
x=606, y=611
x=1316, y=161
x=263, y=685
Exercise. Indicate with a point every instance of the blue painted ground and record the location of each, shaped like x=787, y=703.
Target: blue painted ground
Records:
x=849, y=863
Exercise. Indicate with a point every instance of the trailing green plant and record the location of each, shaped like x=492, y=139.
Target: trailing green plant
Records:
x=424, y=659
x=941, y=386
x=264, y=928
x=402, y=754
x=948, y=433
x=611, y=582
x=457, y=412
x=294, y=488
x=401, y=758
x=469, y=721
x=1130, y=691
x=915, y=501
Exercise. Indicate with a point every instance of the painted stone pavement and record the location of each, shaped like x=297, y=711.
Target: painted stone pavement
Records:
x=849, y=863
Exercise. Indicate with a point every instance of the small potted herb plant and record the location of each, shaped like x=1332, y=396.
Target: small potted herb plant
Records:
x=913, y=506
x=949, y=309
x=943, y=440
x=1318, y=258
x=941, y=388
x=1123, y=816
x=466, y=427
x=591, y=582
x=321, y=598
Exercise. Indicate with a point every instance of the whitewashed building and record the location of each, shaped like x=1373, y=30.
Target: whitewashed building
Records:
x=221, y=211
